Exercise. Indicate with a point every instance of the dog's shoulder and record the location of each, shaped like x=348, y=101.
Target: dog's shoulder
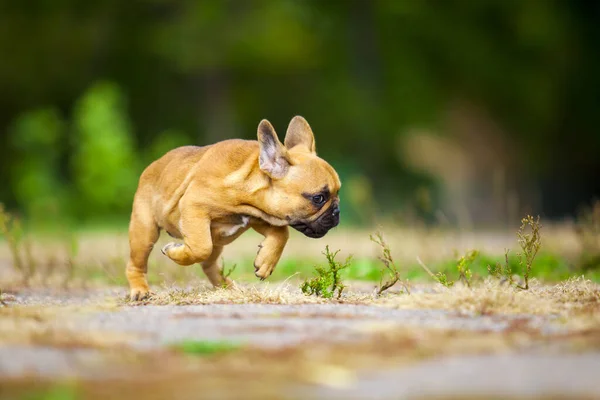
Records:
x=233, y=151
x=235, y=145
x=186, y=151
x=225, y=148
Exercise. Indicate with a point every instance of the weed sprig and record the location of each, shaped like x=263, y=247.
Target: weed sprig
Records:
x=443, y=280
x=463, y=267
x=226, y=273
x=530, y=244
x=502, y=272
x=328, y=280
x=389, y=265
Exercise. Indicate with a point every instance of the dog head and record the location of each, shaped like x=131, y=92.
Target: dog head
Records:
x=304, y=187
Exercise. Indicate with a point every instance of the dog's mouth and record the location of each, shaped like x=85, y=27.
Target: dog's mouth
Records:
x=319, y=227
x=310, y=231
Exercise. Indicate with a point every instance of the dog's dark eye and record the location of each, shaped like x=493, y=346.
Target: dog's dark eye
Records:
x=318, y=199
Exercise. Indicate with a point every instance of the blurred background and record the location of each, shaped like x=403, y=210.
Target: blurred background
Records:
x=467, y=113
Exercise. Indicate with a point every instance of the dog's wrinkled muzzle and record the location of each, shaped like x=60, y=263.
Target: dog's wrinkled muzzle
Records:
x=319, y=227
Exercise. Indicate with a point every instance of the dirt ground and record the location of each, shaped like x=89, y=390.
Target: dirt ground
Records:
x=93, y=344
x=269, y=341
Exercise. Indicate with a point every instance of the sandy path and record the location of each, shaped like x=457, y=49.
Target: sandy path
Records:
x=525, y=372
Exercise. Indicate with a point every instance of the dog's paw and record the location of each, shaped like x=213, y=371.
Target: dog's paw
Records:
x=264, y=266
x=262, y=273
x=138, y=294
x=166, y=247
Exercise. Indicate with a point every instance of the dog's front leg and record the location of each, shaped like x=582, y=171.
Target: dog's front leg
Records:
x=270, y=249
x=197, y=243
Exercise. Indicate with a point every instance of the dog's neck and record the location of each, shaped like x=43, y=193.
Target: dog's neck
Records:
x=257, y=198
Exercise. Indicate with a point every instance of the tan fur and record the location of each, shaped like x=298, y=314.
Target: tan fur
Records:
x=208, y=196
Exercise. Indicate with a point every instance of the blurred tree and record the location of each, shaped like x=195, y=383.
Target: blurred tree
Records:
x=164, y=142
x=105, y=167
x=365, y=73
x=37, y=138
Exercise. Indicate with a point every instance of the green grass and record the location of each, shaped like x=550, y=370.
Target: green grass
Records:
x=57, y=392
x=547, y=267
x=205, y=348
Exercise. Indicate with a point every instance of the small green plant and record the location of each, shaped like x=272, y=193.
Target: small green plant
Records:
x=440, y=277
x=443, y=280
x=328, y=280
x=530, y=244
x=205, y=348
x=502, y=272
x=463, y=266
x=389, y=265
x=226, y=273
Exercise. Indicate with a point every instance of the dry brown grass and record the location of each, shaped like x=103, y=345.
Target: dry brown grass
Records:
x=563, y=299
x=575, y=301
x=279, y=293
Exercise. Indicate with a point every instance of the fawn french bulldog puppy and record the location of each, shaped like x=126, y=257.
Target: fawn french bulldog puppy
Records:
x=208, y=196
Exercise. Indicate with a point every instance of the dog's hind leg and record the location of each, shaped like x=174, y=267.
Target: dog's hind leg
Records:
x=143, y=234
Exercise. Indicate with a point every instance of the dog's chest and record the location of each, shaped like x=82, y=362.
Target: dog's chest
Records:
x=233, y=229
x=230, y=227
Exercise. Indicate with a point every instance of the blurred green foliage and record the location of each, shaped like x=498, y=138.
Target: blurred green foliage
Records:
x=205, y=347
x=36, y=138
x=92, y=91
x=105, y=164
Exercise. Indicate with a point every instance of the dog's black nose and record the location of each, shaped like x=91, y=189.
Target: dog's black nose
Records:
x=336, y=212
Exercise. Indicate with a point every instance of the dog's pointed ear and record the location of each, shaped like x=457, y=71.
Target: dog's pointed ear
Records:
x=272, y=158
x=300, y=134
